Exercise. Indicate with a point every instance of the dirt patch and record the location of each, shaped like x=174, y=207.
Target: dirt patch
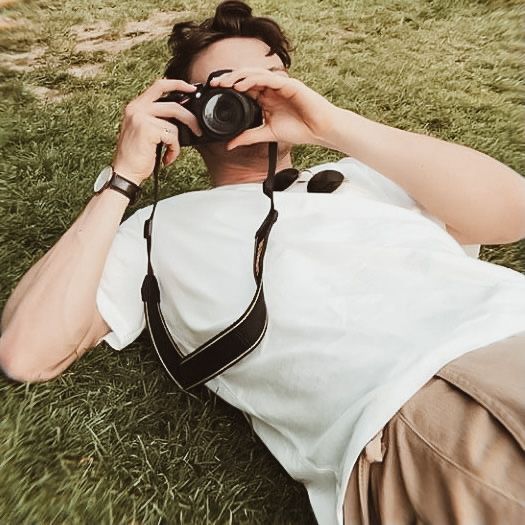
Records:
x=45, y=94
x=97, y=37
x=10, y=23
x=90, y=38
x=86, y=70
x=7, y=23
x=22, y=61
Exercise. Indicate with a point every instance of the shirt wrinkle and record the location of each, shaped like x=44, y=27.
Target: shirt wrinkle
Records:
x=368, y=296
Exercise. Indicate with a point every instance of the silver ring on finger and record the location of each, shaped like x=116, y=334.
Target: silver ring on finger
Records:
x=167, y=131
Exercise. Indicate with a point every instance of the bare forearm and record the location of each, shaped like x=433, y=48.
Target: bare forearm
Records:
x=22, y=287
x=51, y=316
x=468, y=190
x=51, y=309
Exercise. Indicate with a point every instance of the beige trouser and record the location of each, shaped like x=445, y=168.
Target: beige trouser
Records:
x=454, y=452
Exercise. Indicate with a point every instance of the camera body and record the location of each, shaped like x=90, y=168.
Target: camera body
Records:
x=222, y=113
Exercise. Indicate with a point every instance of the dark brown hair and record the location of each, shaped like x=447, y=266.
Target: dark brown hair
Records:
x=232, y=18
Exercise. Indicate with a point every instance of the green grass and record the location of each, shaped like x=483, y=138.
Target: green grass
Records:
x=112, y=440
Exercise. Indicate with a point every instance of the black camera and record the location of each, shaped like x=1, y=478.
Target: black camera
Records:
x=222, y=113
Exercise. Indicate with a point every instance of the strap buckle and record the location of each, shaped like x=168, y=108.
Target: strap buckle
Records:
x=147, y=228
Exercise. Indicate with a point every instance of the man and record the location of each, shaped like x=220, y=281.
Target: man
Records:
x=366, y=375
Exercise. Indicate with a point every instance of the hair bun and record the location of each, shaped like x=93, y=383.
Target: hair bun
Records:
x=232, y=18
x=229, y=15
x=232, y=8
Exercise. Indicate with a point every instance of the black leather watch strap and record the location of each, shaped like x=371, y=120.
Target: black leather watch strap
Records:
x=124, y=186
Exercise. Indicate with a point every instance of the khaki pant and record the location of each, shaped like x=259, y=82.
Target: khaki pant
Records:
x=454, y=452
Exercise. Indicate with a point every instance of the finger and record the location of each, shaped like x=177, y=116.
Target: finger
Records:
x=175, y=110
x=171, y=140
x=162, y=131
x=238, y=74
x=163, y=85
x=252, y=136
x=254, y=93
x=171, y=154
x=263, y=80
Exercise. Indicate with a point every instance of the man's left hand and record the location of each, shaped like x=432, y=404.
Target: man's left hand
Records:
x=292, y=112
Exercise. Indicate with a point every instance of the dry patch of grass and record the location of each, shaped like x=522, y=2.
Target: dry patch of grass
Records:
x=98, y=40
x=6, y=22
x=23, y=61
x=98, y=37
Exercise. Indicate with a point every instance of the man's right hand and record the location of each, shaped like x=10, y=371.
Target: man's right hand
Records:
x=143, y=127
x=39, y=342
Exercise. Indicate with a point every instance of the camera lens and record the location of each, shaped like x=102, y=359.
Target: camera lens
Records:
x=224, y=114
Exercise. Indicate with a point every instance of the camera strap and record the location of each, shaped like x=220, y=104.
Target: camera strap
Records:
x=234, y=342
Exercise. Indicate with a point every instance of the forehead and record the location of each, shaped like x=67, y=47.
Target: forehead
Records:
x=232, y=53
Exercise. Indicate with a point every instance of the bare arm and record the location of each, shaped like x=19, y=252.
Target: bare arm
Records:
x=49, y=314
x=50, y=318
x=481, y=200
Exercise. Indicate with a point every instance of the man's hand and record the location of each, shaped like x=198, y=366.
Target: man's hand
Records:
x=143, y=127
x=293, y=112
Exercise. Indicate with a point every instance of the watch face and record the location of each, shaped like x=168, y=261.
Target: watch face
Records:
x=103, y=178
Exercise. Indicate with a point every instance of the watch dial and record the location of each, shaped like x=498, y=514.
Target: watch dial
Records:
x=103, y=178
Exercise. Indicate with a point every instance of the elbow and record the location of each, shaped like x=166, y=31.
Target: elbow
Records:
x=508, y=229
x=503, y=222
x=516, y=238
x=516, y=233
x=16, y=364
x=507, y=236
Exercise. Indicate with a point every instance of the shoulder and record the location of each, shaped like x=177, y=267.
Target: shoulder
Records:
x=366, y=178
x=187, y=198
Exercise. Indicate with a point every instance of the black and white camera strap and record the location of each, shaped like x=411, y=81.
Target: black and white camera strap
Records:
x=234, y=342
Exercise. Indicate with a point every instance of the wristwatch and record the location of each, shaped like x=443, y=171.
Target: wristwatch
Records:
x=108, y=178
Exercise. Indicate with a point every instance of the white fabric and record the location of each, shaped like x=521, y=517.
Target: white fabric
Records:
x=367, y=298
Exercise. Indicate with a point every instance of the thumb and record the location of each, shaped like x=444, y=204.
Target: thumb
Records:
x=171, y=154
x=252, y=136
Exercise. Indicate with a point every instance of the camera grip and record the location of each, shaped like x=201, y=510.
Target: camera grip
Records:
x=186, y=136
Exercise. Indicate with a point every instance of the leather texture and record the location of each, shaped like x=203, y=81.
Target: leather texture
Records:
x=124, y=186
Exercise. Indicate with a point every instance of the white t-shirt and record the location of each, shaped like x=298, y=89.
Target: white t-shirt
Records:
x=368, y=296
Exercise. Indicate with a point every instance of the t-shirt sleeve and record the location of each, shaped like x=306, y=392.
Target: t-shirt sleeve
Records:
x=375, y=184
x=118, y=297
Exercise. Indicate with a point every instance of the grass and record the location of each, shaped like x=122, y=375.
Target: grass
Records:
x=112, y=440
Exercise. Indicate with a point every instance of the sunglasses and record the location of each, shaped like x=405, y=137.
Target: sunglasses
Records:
x=325, y=181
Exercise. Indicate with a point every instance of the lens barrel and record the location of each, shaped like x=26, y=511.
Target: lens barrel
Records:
x=226, y=112
x=222, y=113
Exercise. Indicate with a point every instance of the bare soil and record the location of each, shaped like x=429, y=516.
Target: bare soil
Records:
x=98, y=37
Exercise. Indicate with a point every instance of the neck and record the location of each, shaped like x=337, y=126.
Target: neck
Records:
x=238, y=168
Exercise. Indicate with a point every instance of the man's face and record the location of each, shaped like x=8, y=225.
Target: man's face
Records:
x=235, y=53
